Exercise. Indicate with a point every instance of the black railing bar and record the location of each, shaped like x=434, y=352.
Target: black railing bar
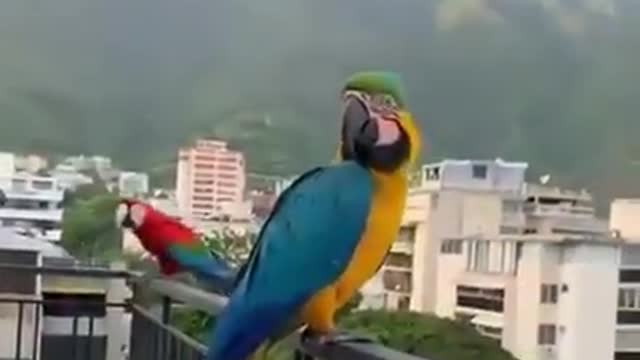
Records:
x=74, y=336
x=194, y=297
x=64, y=302
x=19, y=331
x=354, y=351
x=90, y=339
x=71, y=271
x=173, y=331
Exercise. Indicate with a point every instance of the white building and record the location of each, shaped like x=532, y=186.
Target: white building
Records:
x=69, y=178
x=32, y=204
x=31, y=163
x=7, y=164
x=518, y=261
x=133, y=183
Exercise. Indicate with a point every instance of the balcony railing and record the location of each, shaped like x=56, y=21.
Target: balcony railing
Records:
x=94, y=327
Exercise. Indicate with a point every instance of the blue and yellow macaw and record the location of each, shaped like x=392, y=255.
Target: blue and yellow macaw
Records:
x=330, y=230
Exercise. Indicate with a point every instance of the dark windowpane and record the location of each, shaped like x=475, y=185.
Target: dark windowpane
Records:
x=628, y=317
x=627, y=276
x=18, y=282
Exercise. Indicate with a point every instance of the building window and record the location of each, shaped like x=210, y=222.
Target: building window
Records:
x=509, y=230
x=399, y=260
x=629, y=299
x=205, y=158
x=403, y=303
x=549, y=294
x=480, y=298
x=510, y=206
x=204, y=182
x=432, y=173
x=226, y=184
x=451, y=246
x=203, y=198
x=227, y=176
x=203, y=190
x=399, y=281
x=204, y=166
x=407, y=234
x=42, y=185
x=479, y=171
x=547, y=334
x=630, y=276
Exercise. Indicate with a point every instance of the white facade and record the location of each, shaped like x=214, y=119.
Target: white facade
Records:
x=133, y=183
x=33, y=205
x=7, y=164
x=209, y=175
x=69, y=178
x=625, y=218
x=31, y=163
x=518, y=261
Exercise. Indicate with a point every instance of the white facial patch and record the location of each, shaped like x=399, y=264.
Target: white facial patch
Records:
x=121, y=214
x=137, y=213
x=388, y=132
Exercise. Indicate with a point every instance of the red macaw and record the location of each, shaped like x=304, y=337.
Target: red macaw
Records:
x=175, y=246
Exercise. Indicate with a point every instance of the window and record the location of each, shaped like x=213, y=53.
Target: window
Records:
x=547, y=334
x=205, y=158
x=403, y=303
x=510, y=206
x=480, y=298
x=19, y=184
x=399, y=260
x=629, y=299
x=509, y=230
x=549, y=294
x=227, y=167
x=202, y=190
x=407, y=234
x=226, y=184
x=451, y=246
x=204, y=182
x=42, y=185
x=630, y=276
x=204, y=166
x=479, y=171
x=203, y=198
x=432, y=173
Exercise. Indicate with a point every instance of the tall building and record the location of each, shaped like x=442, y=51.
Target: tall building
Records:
x=528, y=265
x=210, y=176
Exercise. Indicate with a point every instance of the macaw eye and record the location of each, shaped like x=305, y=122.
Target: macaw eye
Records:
x=389, y=101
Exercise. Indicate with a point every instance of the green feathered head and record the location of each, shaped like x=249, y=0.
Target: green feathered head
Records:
x=378, y=82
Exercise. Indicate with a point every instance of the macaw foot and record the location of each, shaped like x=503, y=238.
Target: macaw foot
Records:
x=336, y=337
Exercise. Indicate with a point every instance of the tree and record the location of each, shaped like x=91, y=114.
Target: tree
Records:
x=89, y=230
x=425, y=335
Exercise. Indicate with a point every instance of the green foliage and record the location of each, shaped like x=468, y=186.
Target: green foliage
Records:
x=425, y=335
x=89, y=230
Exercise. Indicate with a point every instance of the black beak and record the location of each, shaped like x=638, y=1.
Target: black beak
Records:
x=128, y=223
x=359, y=133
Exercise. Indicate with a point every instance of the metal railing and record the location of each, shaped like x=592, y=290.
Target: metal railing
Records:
x=151, y=334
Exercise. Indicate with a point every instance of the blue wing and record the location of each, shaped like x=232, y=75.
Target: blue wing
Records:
x=304, y=246
x=213, y=271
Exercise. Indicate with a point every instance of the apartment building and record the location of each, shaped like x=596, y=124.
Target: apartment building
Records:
x=32, y=205
x=528, y=265
x=209, y=175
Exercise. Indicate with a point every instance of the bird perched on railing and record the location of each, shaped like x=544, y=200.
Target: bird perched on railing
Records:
x=330, y=230
x=175, y=246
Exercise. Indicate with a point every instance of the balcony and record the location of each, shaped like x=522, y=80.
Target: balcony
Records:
x=54, y=215
x=131, y=320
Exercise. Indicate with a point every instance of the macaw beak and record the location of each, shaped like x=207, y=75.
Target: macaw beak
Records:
x=361, y=133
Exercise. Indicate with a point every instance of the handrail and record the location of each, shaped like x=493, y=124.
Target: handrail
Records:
x=213, y=304
x=173, y=291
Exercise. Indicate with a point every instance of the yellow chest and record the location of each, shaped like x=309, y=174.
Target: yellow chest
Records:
x=381, y=231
